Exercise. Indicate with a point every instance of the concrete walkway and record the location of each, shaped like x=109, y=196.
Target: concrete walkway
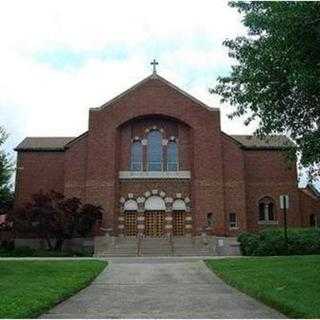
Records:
x=160, y=288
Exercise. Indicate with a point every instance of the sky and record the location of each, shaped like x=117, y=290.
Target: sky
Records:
x=60, y=58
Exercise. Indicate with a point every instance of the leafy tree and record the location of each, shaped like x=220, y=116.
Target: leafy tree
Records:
x=276, y=76
x=6, y=170
x=54, y=218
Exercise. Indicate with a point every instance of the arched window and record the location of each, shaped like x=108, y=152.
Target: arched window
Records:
x=136, y=156
x=172, y=156
x=130, y=205
x=266, y=209
x=210, y=219
x=155, y=203
x=261, y=211
x=179, y=205
x=154, y=151
x=270, y=212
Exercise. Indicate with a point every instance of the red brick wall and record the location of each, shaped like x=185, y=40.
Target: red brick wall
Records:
x=234, y=183
x=75, y=168
x=269, y=174
x=309, y=204
x=38, y=171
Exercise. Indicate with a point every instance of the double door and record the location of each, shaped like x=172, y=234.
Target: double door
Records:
x=154, y=223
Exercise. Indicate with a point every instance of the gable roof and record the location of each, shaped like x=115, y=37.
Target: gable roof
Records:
x=44, y=143
x=162, y=80
x=270, y=142
x=311, y=191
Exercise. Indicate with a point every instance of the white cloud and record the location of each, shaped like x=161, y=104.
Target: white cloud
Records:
x=37, y=98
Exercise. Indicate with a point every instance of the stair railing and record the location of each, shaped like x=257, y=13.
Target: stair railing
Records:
x=171, y=243
x=139, y=253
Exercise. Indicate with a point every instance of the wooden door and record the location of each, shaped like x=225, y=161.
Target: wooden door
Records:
x=178, y=221
x=130, y=223
x=154, y=223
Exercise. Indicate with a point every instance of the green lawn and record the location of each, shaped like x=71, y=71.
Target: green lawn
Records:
x=29, y=288
x=288, y=284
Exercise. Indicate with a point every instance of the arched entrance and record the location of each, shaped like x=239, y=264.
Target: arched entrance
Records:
x=178, y=217
x=130, y=218
x=154, y=217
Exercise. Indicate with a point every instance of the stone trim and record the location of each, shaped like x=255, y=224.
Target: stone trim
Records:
x=141, y=199
x=126, y=175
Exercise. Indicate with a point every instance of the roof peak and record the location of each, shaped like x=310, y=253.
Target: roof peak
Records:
x=154, y=76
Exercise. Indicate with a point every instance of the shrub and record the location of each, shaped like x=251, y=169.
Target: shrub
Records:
x=248, y=243
x=271, y=242
x=54, y=218
x=29, y=252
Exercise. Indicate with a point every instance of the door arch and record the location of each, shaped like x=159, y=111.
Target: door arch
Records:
x=154, y=203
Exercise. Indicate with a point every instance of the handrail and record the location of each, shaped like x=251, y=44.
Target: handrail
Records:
x=139, y=253
x=171, y=243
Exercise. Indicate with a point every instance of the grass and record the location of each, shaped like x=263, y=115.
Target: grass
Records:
x=30, y=288
x=288, y=284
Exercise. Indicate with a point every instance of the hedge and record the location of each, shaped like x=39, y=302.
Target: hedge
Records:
x=271, y=242
x=29, y=252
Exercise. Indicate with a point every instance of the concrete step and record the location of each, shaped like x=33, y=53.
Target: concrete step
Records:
x=155, y=247
x=109, y=255
x=122, y=247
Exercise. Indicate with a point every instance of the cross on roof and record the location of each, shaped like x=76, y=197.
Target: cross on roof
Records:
x=154, y=64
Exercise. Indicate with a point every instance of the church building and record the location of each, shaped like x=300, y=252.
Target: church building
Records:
x=156, y=160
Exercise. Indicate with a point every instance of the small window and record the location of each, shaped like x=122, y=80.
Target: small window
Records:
x=233, y=220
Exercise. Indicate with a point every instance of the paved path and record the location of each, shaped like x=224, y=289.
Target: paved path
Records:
x=151, y=288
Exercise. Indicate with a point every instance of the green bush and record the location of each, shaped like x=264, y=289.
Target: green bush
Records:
x=28, y=252
x=271, y=242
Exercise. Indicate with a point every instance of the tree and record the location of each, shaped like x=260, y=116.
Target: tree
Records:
x=276, y=77
x=54, y=218
x=6, y=170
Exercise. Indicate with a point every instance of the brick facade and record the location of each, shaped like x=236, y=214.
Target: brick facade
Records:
x=221, y=174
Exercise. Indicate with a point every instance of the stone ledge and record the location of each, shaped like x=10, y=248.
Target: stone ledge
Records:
x=154, y=175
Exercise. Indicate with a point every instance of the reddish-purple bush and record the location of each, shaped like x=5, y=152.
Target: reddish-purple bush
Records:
x=54, y=218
